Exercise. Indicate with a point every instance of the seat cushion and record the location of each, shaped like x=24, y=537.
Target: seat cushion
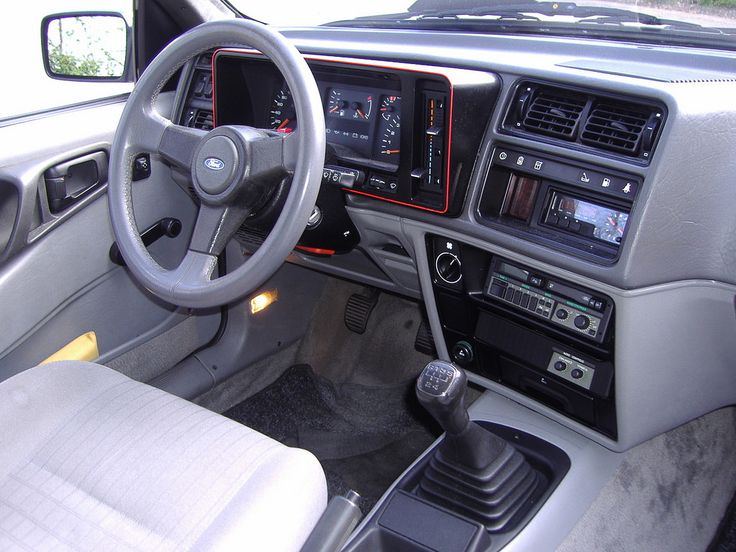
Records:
x=92, y=460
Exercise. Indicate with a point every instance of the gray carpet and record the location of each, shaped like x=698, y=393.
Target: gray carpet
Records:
x=364, y=436
x=156, y=356
x=725, y=539
x=669, y=493
x=383, y=355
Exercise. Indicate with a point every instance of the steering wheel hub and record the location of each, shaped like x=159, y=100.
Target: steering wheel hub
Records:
x=215, y=166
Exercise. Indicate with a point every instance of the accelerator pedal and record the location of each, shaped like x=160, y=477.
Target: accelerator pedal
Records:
x=358, y=310
x=424, y=342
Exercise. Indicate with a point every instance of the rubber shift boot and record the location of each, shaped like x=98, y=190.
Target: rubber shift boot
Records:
x=490, y=482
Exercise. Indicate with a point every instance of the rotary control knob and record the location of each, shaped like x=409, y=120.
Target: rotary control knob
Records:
x=449, y=267
x=581, y=322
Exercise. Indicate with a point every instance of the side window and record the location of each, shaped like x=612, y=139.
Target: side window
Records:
x=51, y=62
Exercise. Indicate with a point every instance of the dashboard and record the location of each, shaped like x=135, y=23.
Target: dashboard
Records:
x=563, y=217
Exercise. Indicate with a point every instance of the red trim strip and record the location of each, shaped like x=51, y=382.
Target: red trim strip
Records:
x=315, y=250
x=212, y=77
x=437, y=71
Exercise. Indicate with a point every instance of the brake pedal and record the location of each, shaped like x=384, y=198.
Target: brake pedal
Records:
x=358, y=310
x=424, y=342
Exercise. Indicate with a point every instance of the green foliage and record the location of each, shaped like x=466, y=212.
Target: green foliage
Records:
x=66, y=64
x=80, y=46
x=718, y=3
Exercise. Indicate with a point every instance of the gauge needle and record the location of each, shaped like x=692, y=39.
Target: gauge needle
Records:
x=361, y=114
x=283, y=125
x=389, y=152
x=334, y=109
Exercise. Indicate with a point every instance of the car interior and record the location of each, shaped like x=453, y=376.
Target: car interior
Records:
x=399, y=283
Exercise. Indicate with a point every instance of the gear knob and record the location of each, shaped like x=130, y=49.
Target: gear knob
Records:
x=441, y=390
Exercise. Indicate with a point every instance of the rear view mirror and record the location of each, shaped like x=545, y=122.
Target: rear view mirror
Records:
x=86, y=46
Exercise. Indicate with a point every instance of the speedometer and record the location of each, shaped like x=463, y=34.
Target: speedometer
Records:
x=282, y=115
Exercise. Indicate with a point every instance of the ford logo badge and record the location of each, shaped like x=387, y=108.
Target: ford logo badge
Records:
x=214, y=164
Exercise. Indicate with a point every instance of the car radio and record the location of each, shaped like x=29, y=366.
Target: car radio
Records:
x=577, y=310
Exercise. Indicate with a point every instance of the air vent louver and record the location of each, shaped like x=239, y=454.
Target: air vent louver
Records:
x=554, y=113
x=590, y=120
x=616, y=126
x=203, y=120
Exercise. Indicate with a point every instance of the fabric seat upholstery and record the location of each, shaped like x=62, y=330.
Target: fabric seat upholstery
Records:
x=92, y=460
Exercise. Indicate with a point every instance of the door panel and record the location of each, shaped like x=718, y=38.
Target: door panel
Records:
x=56, y=278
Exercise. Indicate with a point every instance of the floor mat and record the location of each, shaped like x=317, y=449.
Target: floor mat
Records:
x=364, y=436
x=725, y=538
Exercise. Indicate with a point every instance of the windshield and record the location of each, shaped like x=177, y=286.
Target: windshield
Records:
x=681, y=22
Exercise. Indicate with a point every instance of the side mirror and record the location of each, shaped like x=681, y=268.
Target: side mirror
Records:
x=87, y=46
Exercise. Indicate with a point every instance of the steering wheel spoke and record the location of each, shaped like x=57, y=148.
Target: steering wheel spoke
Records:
x=290, y=151
x=215, y=225
x=178, y=145
x=194, y=271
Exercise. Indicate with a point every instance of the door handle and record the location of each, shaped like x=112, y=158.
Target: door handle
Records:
x=69, y=181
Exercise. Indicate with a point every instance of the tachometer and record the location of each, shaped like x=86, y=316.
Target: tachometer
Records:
x=389, y=129
x=282, y=116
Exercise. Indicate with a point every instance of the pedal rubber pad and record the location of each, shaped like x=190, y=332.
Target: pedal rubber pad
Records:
x=358, y=311
x=424, y=342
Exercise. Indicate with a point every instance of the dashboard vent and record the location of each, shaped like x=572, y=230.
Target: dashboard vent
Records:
x=586, y=119
x=617, y=126
x=554, y=112
x=203, y=120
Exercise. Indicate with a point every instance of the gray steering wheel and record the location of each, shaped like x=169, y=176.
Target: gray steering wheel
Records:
x=230, y=168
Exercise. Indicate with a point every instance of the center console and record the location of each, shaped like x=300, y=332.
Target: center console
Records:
x=541, y=335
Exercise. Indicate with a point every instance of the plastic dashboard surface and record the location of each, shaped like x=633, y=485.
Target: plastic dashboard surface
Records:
x=405, y=132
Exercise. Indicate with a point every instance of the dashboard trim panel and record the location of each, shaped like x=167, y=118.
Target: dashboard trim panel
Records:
x=452, y=76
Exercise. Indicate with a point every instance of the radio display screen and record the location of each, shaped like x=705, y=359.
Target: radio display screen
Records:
x=601, y=222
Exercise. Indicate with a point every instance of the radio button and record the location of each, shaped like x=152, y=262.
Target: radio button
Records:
x=517, y=297
x=509, y=294
x=525, y=300
x=497, y=289
x=533, y=303
x=536, y=281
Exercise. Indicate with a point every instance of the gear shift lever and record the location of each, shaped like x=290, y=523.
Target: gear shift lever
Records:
x=472, y=471
x=441, y=390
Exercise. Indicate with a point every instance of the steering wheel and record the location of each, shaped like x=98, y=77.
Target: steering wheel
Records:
x=230, y=168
